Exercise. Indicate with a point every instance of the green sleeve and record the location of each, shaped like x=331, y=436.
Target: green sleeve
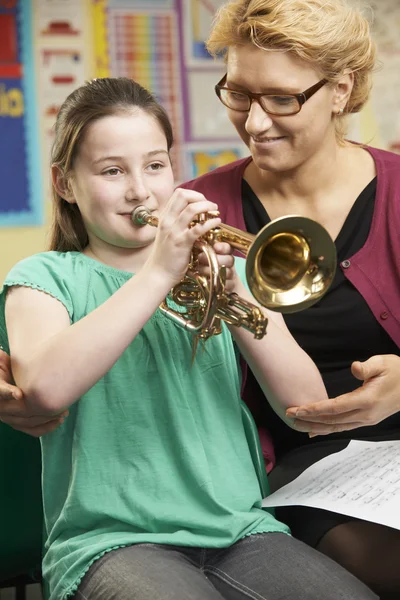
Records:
x=49, y=272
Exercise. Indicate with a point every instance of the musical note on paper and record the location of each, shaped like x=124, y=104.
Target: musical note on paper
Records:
x=362, y=481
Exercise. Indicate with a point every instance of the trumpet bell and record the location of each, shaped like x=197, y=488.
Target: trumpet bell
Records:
x=290, y=264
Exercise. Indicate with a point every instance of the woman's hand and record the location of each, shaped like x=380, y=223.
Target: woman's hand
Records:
x=176, y=237
x=13, y=410
x=377, y=399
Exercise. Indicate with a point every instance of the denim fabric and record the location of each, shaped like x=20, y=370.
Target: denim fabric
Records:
x=271, y=566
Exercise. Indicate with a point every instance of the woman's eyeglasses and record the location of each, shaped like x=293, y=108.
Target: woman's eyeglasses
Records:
x=273, y=104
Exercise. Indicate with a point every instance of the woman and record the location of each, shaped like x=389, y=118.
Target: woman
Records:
x=294, y=70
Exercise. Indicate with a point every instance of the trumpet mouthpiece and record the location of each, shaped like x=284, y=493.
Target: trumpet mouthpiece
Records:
x=140, y=216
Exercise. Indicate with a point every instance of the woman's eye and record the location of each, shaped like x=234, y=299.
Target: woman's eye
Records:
x=238, y=96
x=283, y=100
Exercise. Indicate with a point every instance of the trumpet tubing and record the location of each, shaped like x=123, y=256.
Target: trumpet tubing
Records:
x=290, y=265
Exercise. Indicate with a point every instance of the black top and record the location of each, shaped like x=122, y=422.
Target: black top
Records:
x=335, y=331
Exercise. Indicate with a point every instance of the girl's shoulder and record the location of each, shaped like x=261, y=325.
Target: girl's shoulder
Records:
x=44, y=267
x=58, y=274
x=69, y=267
x=77, y=281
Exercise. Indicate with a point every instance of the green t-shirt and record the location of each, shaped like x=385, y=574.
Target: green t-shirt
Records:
x=155, y=451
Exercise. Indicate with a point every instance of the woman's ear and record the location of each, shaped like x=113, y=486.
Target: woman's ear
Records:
x=342, y=92
x=62, y=185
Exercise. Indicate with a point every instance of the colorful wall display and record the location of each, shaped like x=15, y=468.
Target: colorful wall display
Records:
x=62, y=47
x=49, y=47
x=20, y=195
x=160, y=44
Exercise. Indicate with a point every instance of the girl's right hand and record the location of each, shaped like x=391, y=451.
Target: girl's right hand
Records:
x=175, y=237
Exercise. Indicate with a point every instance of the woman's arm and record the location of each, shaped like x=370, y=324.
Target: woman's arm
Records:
x=13, y=409
x=375, y=400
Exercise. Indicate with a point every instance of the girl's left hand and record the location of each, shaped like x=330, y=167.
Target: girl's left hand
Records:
x=225, y=258
x=377, y=399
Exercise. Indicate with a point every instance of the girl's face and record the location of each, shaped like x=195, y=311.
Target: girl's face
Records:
x=122, y=162
x=279, y=143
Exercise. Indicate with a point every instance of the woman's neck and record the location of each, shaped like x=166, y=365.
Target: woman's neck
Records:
x=323, y=190
x=304, y=185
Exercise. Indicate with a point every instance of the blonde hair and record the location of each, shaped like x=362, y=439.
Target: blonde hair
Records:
x=331, y=35
x=87, y=104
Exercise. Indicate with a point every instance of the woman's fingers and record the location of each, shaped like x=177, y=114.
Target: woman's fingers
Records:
x=40, y=430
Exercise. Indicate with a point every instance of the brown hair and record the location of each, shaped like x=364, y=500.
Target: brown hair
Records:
x=90, y=102
x=331, y=35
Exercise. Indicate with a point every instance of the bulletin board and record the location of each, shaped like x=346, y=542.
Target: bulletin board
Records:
x=21, y=191
x=385, y=97
x=378, y=123
x=160, y=44
x=50, y=47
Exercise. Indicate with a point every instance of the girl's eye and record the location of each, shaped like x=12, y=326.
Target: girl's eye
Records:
x=156, y=166
x=112, y=171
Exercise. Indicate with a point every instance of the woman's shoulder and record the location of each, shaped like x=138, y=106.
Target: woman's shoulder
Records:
x=385, y=161
x=218, y=176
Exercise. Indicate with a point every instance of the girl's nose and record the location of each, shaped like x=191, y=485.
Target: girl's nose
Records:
x=137, y=190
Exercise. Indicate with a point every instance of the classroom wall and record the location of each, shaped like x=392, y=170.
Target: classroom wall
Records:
x=87, y=38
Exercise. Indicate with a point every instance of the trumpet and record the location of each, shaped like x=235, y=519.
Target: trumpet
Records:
x=290, y=265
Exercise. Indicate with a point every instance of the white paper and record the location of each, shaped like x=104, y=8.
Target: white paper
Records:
x=362, y=481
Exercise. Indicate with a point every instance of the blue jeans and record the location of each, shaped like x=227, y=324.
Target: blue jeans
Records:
x=270, y=566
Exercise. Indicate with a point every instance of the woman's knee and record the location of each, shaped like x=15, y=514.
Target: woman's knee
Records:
x=368, y=550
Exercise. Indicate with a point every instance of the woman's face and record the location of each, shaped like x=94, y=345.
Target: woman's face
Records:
x=279, y=143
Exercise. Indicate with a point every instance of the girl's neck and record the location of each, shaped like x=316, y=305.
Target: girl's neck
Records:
x=123, y=259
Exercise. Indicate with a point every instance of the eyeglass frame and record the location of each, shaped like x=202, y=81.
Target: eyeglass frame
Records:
x=301, y=98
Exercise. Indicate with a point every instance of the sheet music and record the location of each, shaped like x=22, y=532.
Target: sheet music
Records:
x=362, y=481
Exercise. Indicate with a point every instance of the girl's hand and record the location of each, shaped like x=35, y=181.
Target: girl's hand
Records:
x=225, y=258
x=175, y=237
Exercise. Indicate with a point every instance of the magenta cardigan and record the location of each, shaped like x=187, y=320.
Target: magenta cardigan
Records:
x=374, y=270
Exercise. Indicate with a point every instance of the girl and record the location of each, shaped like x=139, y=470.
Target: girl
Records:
x=149, y=488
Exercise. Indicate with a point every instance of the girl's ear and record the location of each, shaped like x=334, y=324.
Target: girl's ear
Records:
x=62, y=185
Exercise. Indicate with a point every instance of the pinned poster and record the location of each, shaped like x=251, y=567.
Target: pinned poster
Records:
x=198, y=16
x=203, y=159
x=21, y=194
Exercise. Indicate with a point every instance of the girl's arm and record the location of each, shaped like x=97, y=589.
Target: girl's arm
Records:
x=53, y=362
x=286, y=374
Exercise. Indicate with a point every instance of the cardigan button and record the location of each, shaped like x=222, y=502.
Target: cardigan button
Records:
x=384, y=315
x=345, y=264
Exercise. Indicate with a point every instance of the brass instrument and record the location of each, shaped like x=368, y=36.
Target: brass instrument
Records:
x=290, y=265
